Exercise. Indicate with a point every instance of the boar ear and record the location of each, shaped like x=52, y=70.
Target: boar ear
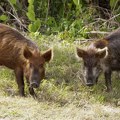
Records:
x=102, y=53
x=47, y=55
x=27, y=53
x=81, y=53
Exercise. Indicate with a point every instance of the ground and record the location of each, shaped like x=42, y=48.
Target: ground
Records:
x=16, y=108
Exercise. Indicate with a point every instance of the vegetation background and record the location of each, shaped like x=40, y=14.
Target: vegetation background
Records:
x=63, y=25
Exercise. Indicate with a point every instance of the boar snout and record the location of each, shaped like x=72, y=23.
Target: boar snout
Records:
x=89, y=84
x=34, y=85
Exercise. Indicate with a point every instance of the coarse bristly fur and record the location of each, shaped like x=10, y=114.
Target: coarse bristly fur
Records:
x=23, y=56
x=102, y=54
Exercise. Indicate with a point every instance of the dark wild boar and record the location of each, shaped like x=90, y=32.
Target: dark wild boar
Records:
x=23, y=56
x=102, y=55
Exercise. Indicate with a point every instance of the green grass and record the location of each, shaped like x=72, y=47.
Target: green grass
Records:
x=62, y=95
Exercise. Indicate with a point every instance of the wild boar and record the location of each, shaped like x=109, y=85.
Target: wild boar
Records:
x=101, y=55
x=23, y=56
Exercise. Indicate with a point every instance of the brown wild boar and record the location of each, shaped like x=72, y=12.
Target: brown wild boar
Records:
x=102, y=55
x=23, y=56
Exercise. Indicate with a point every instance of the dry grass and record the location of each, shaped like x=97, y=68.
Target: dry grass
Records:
x=15, y=108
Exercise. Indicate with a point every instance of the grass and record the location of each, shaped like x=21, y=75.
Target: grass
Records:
x=62, y=95
x=13, y=108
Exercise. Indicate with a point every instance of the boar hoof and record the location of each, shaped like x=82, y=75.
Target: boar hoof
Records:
x=22, y=95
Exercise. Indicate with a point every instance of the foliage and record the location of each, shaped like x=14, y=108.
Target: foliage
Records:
x=13, y=2
x=3, y=18
x=114, y=3
x=35, y=23
x=71, y=18
x=115, y=8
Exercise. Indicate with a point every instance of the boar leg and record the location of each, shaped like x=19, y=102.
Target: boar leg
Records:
x=20, y=81
x=32, y=92
x=97, y=80
x=108, y=80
